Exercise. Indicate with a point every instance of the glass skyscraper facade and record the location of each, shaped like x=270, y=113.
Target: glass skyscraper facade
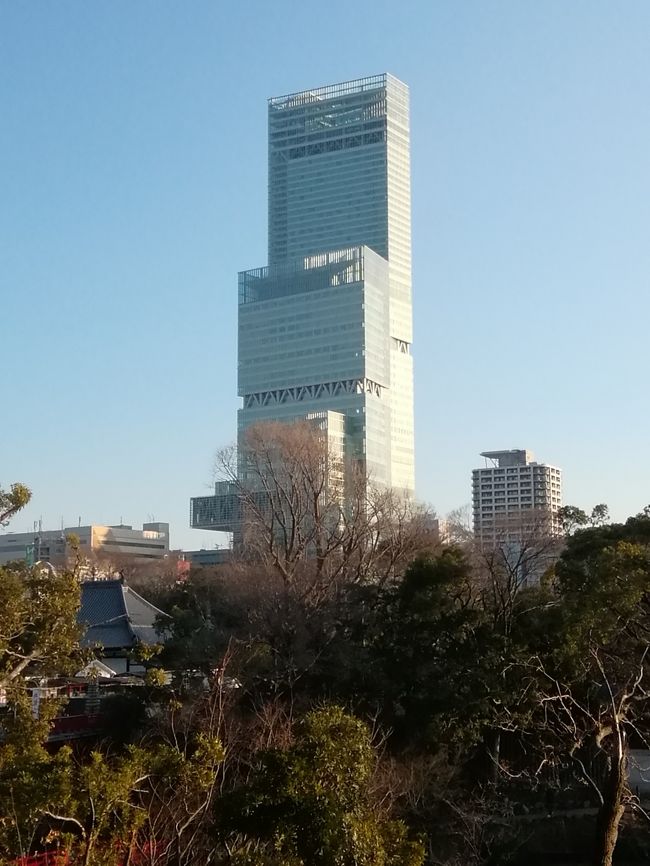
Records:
x=326, y=327
x=313, y=336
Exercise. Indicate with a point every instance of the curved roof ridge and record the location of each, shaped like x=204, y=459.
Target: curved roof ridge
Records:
x=140, y=598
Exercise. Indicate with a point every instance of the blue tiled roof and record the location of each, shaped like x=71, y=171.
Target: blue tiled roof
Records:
x=116, y=616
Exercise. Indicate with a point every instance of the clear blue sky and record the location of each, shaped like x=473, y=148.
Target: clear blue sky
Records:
x=133, y=188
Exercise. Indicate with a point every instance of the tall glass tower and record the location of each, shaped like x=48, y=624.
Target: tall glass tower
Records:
x=325, y=330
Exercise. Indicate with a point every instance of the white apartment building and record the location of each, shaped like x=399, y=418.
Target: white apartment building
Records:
x=513, y=496
x=150, y=542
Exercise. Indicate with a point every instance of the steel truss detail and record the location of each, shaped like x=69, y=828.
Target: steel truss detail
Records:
x=322, y=390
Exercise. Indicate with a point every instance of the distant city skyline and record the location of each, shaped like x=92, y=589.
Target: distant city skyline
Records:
x=133, y=168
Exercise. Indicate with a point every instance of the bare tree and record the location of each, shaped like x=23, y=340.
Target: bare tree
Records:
x=318, y=540
x=512, y=557
x=458, y=526
x=143, y=575
x=592, y=682
x=594, y=727
x=314, y=519
x=516, y=556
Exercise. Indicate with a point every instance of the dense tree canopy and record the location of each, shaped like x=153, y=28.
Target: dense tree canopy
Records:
x=311, y=803
x=499, y=681
x=38, y=628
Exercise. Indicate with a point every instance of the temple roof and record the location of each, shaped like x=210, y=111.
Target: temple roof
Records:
x=116, y=616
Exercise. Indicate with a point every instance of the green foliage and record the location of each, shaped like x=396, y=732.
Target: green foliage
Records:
x=38, y=626
x=571, y=518
x=125, y=716
x=191, y=771
x=29, y=775
x=454, y=656
x=203, y=619
x=604, y=592
x=603, y=580
x=144, y=652
x=60, y=795
x=101, y=794
x=424, y=644
x=266, y=637
x=593, y=696
x=449, y=671
x=599, y=515
x=310, y=805
x=97, y=803
x=12, y=500
x=38, y=637
x=155, y=677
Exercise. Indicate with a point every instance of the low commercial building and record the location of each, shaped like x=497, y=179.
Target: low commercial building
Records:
x=55, y=546
x=208, y=556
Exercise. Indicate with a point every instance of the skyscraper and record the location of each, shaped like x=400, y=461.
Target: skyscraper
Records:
x=325, y=329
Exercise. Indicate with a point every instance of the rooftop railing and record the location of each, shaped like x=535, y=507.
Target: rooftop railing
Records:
x=344, y=88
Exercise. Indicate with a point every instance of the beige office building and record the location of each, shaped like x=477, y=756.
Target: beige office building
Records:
x=150, y=542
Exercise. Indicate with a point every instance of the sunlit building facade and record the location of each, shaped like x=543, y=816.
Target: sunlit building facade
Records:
x=326, y=326
x=53, y=545
x=515, y=497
